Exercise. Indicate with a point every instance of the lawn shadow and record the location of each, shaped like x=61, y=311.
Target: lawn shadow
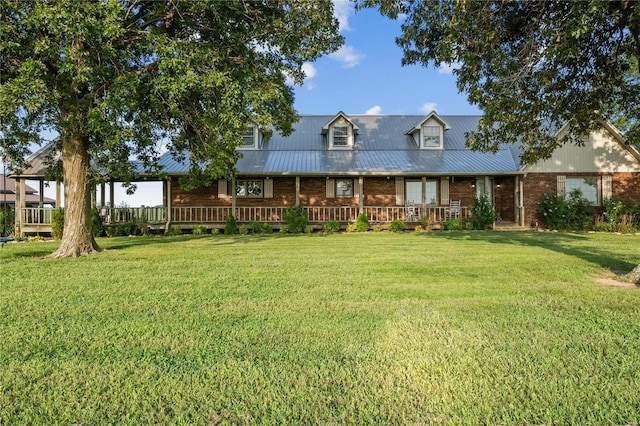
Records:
x=570, y=244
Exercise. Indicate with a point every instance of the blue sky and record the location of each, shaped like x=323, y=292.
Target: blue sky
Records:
x=365, y=76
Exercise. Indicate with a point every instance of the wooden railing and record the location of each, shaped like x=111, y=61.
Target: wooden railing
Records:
x=197, y=215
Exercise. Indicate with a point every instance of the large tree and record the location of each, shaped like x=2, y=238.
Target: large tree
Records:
x=117, y=79
x=531, y=66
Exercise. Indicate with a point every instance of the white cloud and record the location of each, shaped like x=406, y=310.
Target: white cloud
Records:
x=374, y=110
x=428, y=107
x=349, y=56
x=342, y=10
x=448, y=68
x=309, y=70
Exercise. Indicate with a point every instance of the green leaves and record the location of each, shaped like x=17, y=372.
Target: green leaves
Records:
x=532, y=67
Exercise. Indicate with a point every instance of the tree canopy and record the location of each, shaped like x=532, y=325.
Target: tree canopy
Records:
x=117, y=79
x=531, y=66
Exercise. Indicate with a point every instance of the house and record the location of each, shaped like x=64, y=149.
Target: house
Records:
x=404, y=167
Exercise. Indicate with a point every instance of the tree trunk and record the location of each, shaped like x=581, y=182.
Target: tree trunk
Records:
x=633, y=276
x=77, y=237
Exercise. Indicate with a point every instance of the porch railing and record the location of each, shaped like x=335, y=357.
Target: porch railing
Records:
x=218, y=215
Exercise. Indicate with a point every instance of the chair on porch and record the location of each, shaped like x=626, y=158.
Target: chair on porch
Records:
x=411, y=212
x=453, y=212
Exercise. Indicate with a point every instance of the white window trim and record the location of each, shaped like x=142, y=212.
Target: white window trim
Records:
x=349, y=144
x=422, y=136
x=351, y=188
x=256, y=134
x=599, y=187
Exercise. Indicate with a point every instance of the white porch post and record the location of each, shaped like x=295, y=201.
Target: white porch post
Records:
x=233, y=197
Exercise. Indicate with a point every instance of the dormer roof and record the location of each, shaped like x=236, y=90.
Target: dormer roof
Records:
x=339, y=115
x=431, y=115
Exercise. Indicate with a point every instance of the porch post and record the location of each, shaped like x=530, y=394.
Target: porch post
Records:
x=58, y=194
x=18, y=209
x=297, y=190
x=521, y=201
x=167, y=201
x=423, y=202
x=41, y=194
x=111, y=194
x=360, y=194
x=233, y=197
x=102, y=194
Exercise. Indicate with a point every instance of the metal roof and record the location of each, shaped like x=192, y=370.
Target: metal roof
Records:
x=381, y=147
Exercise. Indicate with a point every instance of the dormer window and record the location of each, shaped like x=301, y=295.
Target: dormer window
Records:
x=428, y=133
x=431, y=137
x=340, y=132
x=340, y=136
x=250, y=137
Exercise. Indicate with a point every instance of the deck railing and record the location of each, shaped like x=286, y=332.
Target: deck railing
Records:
x=218, y=215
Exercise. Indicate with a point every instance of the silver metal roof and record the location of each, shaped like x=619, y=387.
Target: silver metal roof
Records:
x=381, y=147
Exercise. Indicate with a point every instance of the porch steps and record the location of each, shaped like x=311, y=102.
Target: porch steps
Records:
x=508, y=226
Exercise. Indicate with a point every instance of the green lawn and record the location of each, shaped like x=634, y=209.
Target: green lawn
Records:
x=447, y=328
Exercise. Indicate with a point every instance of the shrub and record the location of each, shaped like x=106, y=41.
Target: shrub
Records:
x=172, y=231
x=199, y=230
x=331, y=226
x=97, y=227
x=7, y=222
x=352, y=227
x=243, y=230
x=230, y=226
x=57, y=223
x=396, y=225
x=483, y=213
x=362, y=223
x=574, y=213
x=377, y=228
x=260, y=228
x=453, y=225
x=296, y=219
x=418, y=228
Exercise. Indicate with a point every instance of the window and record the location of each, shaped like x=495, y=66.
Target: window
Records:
x=344, y=188
x=340, y=136
x=249, y=188
x=414, y=192
x=431, y=137
x=587, y=185
x=249, y=137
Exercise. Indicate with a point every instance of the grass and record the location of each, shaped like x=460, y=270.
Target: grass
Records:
x=437, y=328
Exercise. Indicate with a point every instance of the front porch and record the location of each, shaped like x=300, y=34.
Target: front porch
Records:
x=38, y=220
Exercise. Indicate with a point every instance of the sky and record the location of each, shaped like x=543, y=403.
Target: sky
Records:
x=365, y=76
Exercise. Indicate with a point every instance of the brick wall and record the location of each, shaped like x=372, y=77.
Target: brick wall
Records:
x=623, y=185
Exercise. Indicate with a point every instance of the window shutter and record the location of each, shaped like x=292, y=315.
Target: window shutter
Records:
x=444, y=190
x=399, y=191
x=331, y=188
x=222, y=188
x=562, y=185
x=356, y=188
x=268, y=188
x=607, y=191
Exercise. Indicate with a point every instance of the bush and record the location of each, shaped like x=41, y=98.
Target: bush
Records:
x=396, y=225
x=377, y=228
x=260, y=228
x=97, y=227
x=574, y=213
x=57, y=223
x=362, y=223
x=199, y=230
x=296, y=219
x=483, y=213
x=330, y=226
x=230, y=226
x=243, y=230
x=453, y=225
x=172, y=231
x=352, y=227
x=7, y=222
